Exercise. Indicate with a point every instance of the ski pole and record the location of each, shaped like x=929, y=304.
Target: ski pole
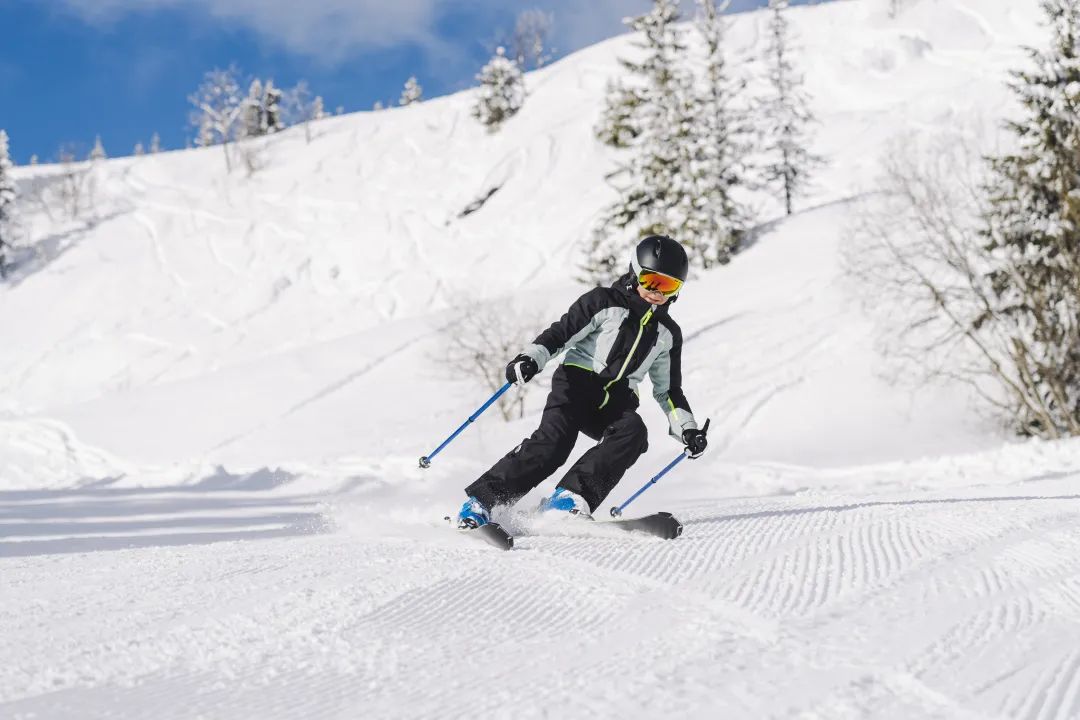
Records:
x=425, y=461
x=617, y=511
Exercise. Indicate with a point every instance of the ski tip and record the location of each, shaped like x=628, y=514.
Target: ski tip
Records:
x=675, y=527
x=660, y=524
x=495, y=535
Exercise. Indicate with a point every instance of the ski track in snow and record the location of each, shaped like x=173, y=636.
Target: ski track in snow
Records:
x=959, y=605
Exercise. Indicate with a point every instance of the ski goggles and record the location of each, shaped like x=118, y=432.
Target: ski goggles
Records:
x=659, y=282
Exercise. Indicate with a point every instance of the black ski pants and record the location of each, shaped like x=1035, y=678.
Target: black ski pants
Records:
x=573, y=407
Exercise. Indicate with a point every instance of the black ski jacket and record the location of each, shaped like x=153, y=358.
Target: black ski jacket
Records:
x=618, y=336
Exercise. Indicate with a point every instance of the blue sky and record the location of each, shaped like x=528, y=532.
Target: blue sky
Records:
x=122, y=69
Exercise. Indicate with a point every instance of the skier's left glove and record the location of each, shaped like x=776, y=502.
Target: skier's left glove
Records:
x=695, y=442
x=521, y=369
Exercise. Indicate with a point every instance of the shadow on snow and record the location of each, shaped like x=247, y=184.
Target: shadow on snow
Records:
x=221, y=507
x=792, y=512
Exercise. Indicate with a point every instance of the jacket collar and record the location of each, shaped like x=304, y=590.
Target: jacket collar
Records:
x=627, y=285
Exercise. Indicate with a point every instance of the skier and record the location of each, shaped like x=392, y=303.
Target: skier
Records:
x=613, y=336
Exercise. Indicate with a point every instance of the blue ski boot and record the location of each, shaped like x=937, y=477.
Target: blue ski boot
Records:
x=472, y=515
x=567, y=502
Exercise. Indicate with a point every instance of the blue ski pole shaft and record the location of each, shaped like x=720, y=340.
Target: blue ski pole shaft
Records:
x=425, y=461
x=616, y=512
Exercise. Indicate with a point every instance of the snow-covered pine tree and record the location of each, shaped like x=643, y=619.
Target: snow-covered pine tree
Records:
x=98, y=151
x=656, y=183
x=619, y=123
x=139, y=150
x=785, y=114
x=1032, y=230
x=716, y=219
x=412, y=92
x=501, y=93
x=253, y=124
x=155, y=143
x=272, y=117
x=7, y=202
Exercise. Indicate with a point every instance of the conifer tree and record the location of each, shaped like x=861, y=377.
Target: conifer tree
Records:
x=155, y=143
x=1032, y=230
x=98, y=151
x=139, y=150
x=271, y=109
x=254, y=117
x=619, y=123
x=656, y=183
x=7, y=202
x=501, y=93
x=412, y=93
x=717, y=219
x=786, y=115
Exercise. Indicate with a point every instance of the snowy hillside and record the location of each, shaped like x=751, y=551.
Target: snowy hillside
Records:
x=214, y=397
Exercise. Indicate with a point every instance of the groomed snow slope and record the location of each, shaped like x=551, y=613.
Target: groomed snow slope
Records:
x=209, y=499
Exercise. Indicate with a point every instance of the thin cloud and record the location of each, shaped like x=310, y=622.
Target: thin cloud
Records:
x=579, y=24
x=327, y=29
x=332, y=31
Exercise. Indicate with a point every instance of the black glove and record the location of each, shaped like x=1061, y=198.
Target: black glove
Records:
x=521, y=364
x=695, y=442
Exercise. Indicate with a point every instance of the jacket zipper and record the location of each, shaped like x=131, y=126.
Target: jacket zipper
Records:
x=630, y=356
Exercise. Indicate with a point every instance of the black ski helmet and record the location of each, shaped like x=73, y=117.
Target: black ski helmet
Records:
x=661, y=254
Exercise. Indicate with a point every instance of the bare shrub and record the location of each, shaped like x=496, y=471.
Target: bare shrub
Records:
x=483, y=340
x=920, y=250
x=74, y=189
x=530, y=39
x=218, y=108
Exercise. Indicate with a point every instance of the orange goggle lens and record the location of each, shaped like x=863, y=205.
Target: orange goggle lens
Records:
x=659, y=282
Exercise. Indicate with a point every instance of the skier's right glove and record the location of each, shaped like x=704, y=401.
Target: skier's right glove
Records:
x=521, y=369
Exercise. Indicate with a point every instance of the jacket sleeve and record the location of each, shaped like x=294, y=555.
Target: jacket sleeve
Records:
x=666, y=376
x=580, y=320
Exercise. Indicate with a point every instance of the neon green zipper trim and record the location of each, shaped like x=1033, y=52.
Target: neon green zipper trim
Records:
x=581, y=367
x=630, y=356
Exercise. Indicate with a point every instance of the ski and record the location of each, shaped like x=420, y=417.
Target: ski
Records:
x=661, y=524
x=491, y=533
